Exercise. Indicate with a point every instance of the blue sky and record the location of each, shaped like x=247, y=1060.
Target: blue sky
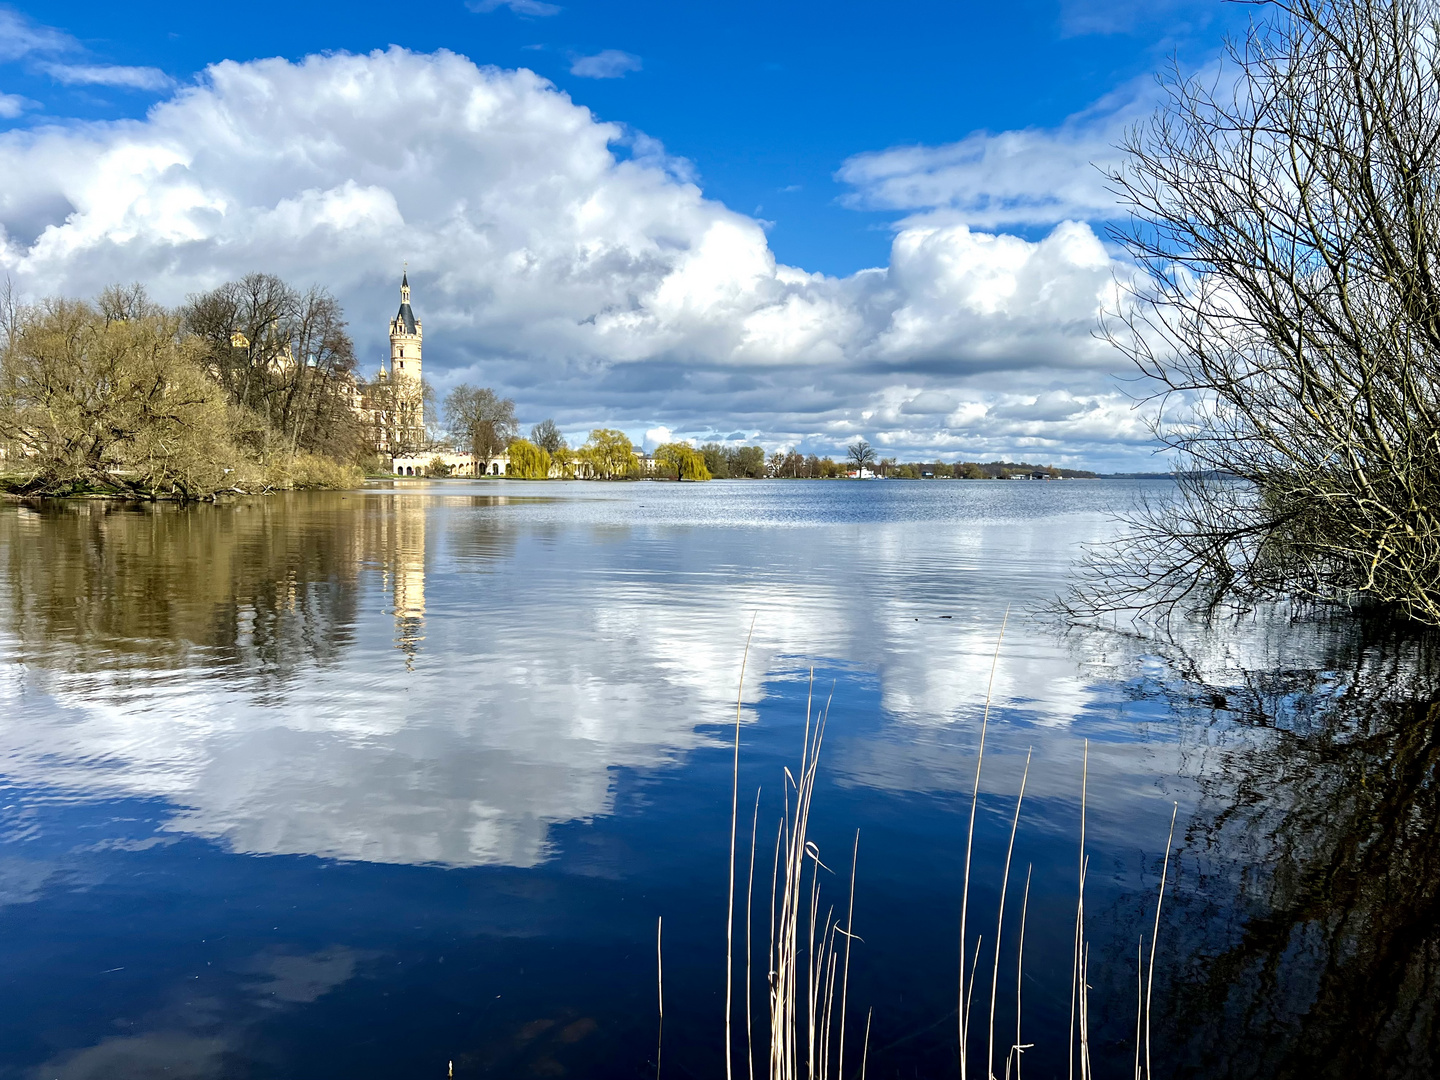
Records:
x=858, y=147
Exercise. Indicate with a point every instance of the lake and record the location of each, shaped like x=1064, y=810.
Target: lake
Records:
x=361, y=784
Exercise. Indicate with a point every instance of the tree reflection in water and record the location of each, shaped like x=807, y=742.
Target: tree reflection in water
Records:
x=267, y=587
x=1313, y=859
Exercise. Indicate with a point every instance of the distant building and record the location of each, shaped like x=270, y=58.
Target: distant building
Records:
x=423, y=464
x=405, y=333
x=394, y=405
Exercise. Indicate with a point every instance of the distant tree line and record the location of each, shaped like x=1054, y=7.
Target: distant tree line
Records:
x=482, y=423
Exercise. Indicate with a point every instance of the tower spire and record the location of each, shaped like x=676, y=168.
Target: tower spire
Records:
x=405, y=283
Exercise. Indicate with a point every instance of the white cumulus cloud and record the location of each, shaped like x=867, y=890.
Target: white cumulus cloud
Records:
x=569, y=263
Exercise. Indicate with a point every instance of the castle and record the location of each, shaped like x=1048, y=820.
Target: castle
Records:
x=397, y=406
x=405, y=333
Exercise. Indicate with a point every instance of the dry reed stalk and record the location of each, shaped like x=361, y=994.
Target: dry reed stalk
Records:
x=796, y=899
x=1019, y=1048
x=1085, y=1071
x=849, y=937
x=973, y=968
x=1155, y=937
x=749, y=947
x=793, y=898
x=660, y=989
x=1000, y=919
x=964, y=1018
x=865, y=1054
x=1076, y=980
x=734, y=815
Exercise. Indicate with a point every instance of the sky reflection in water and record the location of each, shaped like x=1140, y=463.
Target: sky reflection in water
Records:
x=355, y=784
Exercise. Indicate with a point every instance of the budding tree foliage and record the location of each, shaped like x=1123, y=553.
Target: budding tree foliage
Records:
x=1285, y=223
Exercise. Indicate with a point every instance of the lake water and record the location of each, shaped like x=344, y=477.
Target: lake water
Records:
x=361, y=784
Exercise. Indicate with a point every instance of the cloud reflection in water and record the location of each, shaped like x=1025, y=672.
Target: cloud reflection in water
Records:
x=440, y=674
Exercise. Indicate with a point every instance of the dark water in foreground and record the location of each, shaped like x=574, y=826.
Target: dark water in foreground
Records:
x=356, y=785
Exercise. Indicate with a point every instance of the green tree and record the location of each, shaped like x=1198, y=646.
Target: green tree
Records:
x=717, y=461
x=682, y=461
x=528, y=461
x=610, y=454
x=480, y=419
x=747, y=461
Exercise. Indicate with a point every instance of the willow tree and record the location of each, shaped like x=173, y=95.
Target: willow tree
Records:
x=1285, y=223
x=681, y=461
x=112, y=399
x=528, y=461
x=610, y=454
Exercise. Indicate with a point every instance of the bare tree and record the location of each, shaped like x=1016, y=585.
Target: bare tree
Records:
x=126, y=303
x=397, y=411
x=11, y=308
x=283, y=355
x=481, y=419
x=1285, y=220
x=548, y=437
x=862, y=456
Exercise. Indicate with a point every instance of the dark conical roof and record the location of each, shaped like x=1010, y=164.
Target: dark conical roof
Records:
x=405, y=316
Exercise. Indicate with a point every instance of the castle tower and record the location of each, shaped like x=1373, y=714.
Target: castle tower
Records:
x=405, y=337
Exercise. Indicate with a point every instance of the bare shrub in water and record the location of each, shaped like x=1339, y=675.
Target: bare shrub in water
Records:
x=1286, y=222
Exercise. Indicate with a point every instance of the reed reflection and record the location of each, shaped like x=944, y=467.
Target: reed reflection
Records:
x=1316, y=850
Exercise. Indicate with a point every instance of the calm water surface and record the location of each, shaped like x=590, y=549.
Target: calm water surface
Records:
x=359, y=784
